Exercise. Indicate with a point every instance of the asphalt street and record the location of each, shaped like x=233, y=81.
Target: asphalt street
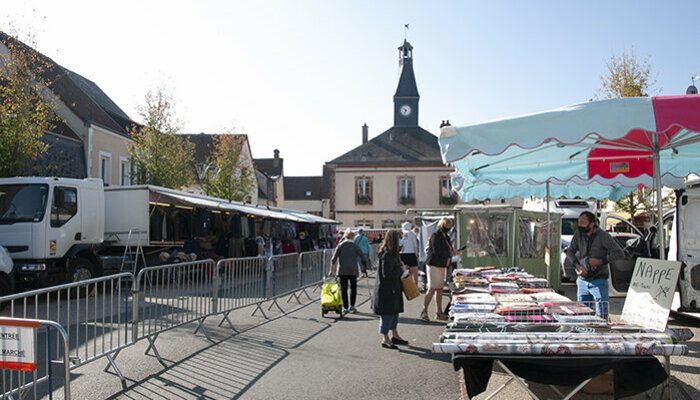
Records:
x=297, y=354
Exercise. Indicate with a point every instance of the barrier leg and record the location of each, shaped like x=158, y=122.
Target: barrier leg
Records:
x=226, y=318
x=204, y=331
x=116, y=369
x=294, y=296
x=306, y=293
x=258, y=306
x=667, y=382
x=274, y=303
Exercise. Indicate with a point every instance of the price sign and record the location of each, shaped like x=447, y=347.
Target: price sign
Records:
x=17, y=344
x=650, y=293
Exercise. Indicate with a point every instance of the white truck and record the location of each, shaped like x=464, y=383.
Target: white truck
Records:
x=52, y=228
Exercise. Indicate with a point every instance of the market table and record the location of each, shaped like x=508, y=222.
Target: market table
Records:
x=535, y=334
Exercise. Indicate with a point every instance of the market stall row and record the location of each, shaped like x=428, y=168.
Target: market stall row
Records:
x=512, y=318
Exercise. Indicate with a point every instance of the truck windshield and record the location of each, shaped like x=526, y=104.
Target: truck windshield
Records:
x=22, y=203
x=568, y=226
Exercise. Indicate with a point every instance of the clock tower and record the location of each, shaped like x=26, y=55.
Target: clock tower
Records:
x=406, y=97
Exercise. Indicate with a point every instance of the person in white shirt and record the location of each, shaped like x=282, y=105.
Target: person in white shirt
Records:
x=409, y=250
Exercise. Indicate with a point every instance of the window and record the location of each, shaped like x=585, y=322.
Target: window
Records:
x=124, y=171
x=64, y=206
x=364, y=224
x=447, y=195
x=486, y=235
x=363, y=190
x=105, y=168
x=406, y=194
x=389, y=224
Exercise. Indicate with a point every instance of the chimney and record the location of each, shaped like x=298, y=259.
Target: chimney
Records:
x=365, y=133
x=276, y=161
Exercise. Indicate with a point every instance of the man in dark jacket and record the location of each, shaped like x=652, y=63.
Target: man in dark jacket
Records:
x=346, y=254
x=590, y=252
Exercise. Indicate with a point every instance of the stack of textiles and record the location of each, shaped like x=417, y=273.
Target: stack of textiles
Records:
x=473, y=298
x=513, y=298
x=504, y=287
x=577, y=319
x=549, y=297
x=465, y=272
x=533, y=283
x=567, y=309
x=536, y=290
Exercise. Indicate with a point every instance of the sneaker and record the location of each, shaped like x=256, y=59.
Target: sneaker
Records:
x=352, y=309
x=345, y=310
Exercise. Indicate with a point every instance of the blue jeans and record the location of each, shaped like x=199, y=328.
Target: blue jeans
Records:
x=594, y=291
x=388, y=322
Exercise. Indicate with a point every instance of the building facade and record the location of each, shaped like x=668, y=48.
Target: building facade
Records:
x=270, y=176
x=91, y=134
x=375, y=183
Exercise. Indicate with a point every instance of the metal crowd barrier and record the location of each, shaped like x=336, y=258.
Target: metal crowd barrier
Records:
x=240, y=282
x=169, y=296
x=95, y=313
x=19, y=384
x=373, y=255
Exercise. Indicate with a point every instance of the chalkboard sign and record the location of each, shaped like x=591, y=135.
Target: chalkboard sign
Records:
x=650, y=293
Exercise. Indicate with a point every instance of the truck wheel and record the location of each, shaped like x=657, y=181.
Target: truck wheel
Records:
x=81, y=270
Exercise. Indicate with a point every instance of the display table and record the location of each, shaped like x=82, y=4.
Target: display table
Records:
x=537, y=335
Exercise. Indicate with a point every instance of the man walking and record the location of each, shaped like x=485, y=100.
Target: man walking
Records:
x=591, y=251
x=363, y=243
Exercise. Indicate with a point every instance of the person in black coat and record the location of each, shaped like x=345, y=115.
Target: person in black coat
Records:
x=388, y=294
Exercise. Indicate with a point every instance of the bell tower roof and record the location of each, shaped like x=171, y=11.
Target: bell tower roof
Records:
x=407, y=80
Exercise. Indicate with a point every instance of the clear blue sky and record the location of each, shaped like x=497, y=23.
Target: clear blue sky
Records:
x=303, y=76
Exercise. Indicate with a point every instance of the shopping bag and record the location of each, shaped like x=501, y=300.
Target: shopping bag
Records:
x=330, y=295
x=410, y=290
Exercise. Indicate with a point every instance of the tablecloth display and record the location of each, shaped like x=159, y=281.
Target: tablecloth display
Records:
x=506, y=314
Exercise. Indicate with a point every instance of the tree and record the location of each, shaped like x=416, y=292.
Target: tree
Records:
x=160, y=156
x=24, y=113
x=628, y=77
x=234, y=180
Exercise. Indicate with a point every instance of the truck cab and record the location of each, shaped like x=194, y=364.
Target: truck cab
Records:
x=685, y=246
x=52, y=227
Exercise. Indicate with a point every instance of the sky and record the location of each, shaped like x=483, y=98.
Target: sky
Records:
x=303, y=76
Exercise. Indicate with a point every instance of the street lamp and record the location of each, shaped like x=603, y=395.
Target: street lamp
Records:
x=203, y=170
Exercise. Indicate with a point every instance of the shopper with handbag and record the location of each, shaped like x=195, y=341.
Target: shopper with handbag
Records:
x=387, y=298
x=439, y=256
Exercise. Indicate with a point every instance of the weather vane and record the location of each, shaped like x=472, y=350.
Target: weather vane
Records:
x=405, y=31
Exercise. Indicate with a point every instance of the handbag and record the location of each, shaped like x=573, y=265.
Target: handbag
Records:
x=410, y=290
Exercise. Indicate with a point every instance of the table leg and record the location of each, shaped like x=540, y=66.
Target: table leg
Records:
x=517, y=380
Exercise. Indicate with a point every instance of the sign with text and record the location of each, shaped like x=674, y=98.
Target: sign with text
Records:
x=17, y=345
x=650, y=294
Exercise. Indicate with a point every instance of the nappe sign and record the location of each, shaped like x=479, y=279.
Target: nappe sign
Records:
x=17, y=345
x=650, y=293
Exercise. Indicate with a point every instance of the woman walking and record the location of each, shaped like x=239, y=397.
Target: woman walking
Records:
x=439, y=255
x=409, y=250
x=388, y=300
x=346, y=255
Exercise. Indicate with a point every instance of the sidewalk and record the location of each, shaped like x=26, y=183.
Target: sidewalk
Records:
x=297, y=355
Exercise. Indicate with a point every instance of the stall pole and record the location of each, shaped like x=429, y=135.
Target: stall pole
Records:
x=659, y=199
x=549, y=233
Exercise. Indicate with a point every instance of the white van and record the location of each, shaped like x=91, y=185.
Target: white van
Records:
x=569, y=209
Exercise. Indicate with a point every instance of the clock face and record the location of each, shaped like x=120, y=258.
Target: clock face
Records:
x=405, y=110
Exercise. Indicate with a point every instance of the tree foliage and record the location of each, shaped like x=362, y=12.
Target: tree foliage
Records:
x=160, y=156
x=627, y=76
x=234, y=180
x=24, y=113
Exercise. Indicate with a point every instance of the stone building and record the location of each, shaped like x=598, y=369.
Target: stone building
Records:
x=373, y=184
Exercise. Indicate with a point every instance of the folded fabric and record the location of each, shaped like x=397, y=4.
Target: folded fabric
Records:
x=543, y=318
x=570, y=308
x=477, y=318
x=535, y=290
x=549, y=297
x=477, y=307
x=502, y=278
x=513, y=297
x=577, y=319
x=473, y=298
x=504, y=287
x=533, y=282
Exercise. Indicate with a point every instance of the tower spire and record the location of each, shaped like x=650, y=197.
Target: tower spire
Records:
x=406, y=96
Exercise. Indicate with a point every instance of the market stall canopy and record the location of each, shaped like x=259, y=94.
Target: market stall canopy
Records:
x=220, y=204
x=609, y=142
